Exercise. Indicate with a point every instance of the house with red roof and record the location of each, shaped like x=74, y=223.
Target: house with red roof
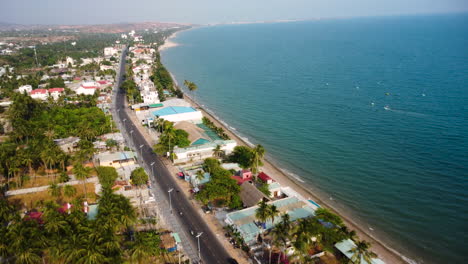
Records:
x=41, y=94
x=56, y=92
x=88, y=88
x=244, y=175
x=265, y=178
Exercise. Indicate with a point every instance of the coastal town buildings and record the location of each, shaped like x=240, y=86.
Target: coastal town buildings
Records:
x=87, y=88
x=40, y=94
x=25, y=88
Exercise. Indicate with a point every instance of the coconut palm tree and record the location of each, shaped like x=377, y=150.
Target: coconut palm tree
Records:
x=55, y=190
x=258, y=154
x=199, y=176
x=273, y=212
x=281, y=234
x=361, y=252
x=69, y=191
x=82, y=173
x=262, y=212
x=217, y=152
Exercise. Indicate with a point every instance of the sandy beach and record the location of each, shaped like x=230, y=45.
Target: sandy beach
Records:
x=384, y=252
x=168, y=43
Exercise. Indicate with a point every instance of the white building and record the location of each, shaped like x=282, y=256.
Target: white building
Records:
x=110, y=51
x=56, y=92
x=150, y=97
x=40, y=94
x=87, y=88
x=70, y=61
x=178, y=113
x=201, y=152
x=106, y=67
x=23, y=88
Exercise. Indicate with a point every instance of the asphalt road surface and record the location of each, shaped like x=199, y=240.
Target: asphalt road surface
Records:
x=211, y=249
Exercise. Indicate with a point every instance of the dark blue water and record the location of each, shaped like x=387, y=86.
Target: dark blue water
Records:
x=313, y=93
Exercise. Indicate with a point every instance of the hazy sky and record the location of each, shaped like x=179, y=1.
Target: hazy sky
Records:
x=209, y=11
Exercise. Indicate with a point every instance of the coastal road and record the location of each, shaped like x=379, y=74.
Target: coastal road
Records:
x=210, y=247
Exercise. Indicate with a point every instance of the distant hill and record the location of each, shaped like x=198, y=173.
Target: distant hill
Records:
x=100, y=28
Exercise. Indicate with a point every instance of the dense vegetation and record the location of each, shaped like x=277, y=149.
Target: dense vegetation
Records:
x=55, y=236
x=35, y=124
x=221, y=190
x=87, y=46
x=248, y=157
x=170, y=137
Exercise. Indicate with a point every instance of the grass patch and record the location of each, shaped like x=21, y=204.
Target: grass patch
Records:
x=34, y=200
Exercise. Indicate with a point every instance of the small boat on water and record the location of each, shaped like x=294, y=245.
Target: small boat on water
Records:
x=386, y=107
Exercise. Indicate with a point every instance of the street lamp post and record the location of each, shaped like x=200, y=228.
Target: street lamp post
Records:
x=152, y=173
x=198, y=238
x=131, y=134
x=141, y=151
x=170, y=200
x=125, y=119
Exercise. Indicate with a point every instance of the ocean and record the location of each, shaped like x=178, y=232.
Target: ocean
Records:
x=371, y=113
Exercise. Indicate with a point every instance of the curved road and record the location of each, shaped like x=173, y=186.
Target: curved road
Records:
x=211, y=249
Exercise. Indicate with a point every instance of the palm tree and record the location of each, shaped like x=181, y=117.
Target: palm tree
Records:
x=55, y=190
x=258, y=154
x=281, y=234
x=82, y=173
x=361, y=252
x=69, y=191
x=199, y=176
x=217, y=152
x=192, y=87
x=262, y=212
x=273, y=212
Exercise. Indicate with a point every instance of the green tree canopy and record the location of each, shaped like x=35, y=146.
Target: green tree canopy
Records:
x=139, y=176
x=107, y=176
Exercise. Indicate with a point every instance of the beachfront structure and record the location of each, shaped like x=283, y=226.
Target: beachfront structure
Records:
x=201, y=152
x=25, y=88
x=250, y=195
x=178, y=113
x=347, y=245
x=40, y=94
x=115, y=159
x=196, y=134
x=245, y=222
x=265, y=178
x=275, y=190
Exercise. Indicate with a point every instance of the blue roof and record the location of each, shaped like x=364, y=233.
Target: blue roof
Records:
x=172, y=110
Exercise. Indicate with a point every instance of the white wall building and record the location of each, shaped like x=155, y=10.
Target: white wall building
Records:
x=87, y=88
x=150, y=97
x=110, y=51
x=56, y=92
x=178, y=113
x=23, y=88
x=202, y=152
x=40, y=94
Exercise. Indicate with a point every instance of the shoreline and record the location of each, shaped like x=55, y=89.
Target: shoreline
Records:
x=385, y=252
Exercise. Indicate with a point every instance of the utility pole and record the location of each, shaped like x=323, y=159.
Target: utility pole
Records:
x=170, y=201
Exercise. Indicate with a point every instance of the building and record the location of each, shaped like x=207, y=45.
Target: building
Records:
x=67, y=145
x=244, y=175
x=115, y=159
x=150, y=97
x=346, y=246
x=25, y=88
x=110, y=51
x=245, y=222
x=275, y=190
x=203, y=151
x=250, y=195
x=56, y=92
x=265, y=178
x=178, y=113
x=196, y=135
x=40, y=94
x=87, y=88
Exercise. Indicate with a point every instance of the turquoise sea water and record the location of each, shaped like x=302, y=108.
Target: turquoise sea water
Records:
x=313, y=93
